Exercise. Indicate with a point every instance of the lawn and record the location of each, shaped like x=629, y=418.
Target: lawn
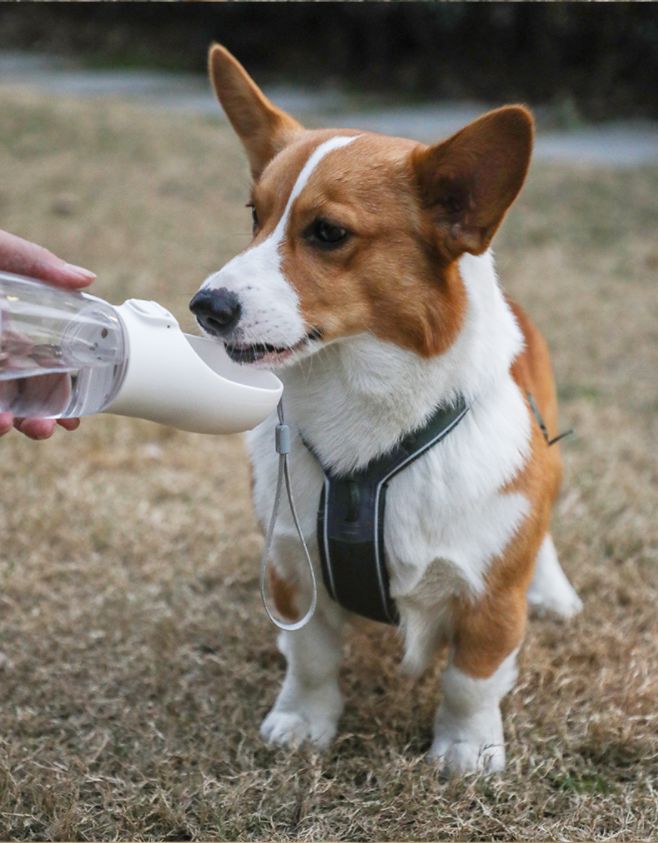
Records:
x=135, y=659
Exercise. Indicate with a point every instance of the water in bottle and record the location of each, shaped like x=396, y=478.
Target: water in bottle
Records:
x=62, y=353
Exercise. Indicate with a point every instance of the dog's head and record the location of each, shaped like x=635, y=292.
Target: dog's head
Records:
x=354, y=231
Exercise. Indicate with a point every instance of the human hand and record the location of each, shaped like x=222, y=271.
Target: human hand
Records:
x=26, y=258
x=35, y=428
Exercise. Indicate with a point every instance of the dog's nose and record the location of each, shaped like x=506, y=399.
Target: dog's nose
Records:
x=217, y=311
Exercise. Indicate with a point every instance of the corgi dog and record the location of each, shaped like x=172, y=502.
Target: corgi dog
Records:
x=369, y=287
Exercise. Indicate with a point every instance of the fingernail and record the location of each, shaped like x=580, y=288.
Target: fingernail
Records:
x=87, y=274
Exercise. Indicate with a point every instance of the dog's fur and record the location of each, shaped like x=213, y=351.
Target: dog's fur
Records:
x=368, y=336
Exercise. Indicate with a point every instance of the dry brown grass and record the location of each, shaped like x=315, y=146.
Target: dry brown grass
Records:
x=137, y=662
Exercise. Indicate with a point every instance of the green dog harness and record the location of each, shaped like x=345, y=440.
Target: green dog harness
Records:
x=350, y=525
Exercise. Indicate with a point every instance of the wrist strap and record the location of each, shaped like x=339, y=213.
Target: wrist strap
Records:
x=282, y=444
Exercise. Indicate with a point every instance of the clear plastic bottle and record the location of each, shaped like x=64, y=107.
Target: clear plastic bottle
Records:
x=62, y=354
x=66, y=354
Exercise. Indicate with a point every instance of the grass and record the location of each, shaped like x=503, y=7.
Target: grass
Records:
x=136, y=660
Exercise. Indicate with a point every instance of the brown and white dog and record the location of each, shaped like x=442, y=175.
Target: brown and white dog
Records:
x=370, y=288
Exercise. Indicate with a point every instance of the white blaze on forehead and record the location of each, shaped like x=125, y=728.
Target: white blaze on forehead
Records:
x=269, y=303
x=304, y=176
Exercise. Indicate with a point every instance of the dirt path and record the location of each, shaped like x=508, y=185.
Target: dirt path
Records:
x=612, y=144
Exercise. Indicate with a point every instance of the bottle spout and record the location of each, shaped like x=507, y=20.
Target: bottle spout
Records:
x=186, y=381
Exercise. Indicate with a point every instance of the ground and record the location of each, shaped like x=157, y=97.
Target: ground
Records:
x=136, y=659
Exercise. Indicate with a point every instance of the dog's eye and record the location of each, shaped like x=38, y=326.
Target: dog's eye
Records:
x=327, y=235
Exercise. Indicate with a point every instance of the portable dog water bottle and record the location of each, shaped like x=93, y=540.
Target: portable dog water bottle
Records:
x=66, y=354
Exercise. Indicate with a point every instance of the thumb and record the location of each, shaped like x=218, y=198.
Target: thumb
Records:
x=26, y=258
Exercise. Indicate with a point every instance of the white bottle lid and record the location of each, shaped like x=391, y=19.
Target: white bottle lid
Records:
x=186, y=381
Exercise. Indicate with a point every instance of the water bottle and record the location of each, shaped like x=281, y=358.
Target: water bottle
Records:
x=67, y=354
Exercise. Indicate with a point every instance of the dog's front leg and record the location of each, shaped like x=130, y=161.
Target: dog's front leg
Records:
x=310, y=702
x=468, y=731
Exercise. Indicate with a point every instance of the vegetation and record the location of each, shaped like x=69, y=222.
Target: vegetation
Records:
x=596, y=60
x=136, y=659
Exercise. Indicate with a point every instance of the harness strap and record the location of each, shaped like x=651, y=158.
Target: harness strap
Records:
x=542, y=424
x=350, y=521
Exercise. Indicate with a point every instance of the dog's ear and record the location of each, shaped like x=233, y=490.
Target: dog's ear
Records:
x=467, y=183
x=262, y=127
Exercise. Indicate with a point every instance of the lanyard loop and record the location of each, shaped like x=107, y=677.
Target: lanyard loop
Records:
x=282, y=444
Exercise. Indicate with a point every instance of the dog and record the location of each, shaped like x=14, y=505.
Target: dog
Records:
x=370, y=288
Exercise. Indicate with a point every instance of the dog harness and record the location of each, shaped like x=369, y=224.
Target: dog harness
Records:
x=350, y=525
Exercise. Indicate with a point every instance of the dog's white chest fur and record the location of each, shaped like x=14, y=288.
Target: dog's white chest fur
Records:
x=445, y=515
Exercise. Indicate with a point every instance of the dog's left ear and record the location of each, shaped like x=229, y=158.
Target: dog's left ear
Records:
x=263, y=128
x=467, y=183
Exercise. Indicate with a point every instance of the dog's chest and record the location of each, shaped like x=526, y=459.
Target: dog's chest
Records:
x=446, y=516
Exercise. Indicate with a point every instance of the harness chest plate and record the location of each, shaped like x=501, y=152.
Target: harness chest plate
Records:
x=350, y=524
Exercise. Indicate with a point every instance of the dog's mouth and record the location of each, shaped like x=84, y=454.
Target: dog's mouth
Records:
x=267, y=353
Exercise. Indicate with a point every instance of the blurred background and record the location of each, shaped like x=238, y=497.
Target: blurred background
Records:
x=585, y=61
x=414, y=69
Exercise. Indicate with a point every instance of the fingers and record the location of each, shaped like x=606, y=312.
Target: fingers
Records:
x=69, y=424
x=6, y=423
x=25, y=258
x=36, y=428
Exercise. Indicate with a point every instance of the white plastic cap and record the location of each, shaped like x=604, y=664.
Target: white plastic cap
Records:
x=186, y=381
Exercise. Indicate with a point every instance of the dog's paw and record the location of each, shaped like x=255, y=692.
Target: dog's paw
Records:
x=550, y=591
x=562, y=603
x=304, y=713
x=457, y=757
x=292, y=729
x=468, y=743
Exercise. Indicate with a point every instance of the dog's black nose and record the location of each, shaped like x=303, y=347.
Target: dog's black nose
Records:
x=217, y=311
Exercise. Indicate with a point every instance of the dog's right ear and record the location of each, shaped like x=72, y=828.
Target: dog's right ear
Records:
x=263, y=128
